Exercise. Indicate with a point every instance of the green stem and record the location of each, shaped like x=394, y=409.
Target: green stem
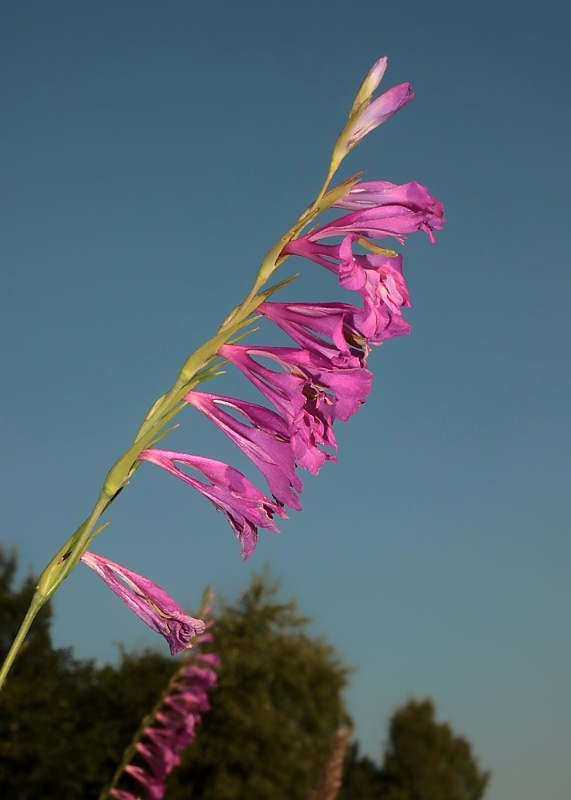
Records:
x=67, y=557
x=53, y=576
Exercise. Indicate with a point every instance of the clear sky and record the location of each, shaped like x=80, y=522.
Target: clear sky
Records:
x=152, y=152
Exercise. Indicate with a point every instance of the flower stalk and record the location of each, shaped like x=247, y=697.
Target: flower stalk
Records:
x=170, y=726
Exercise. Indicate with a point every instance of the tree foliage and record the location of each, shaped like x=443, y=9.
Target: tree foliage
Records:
x=361, y=777
x=426, y=760
x=423, y=760
x=276, y=709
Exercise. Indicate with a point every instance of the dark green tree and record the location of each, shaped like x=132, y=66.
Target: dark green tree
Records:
x=276, y=709
x=426, y=760
x=39, y=703
x=361, y=777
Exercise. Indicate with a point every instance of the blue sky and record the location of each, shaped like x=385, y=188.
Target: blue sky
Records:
x=152, y=153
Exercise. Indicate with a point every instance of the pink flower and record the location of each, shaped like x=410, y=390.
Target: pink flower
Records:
x=369, y=194
x=307, y=323
x=151, y=603
x=377, y=278
x=377, y=323
x=352, y=329
x=245, y=506
x=265, y=440
x=402, y=210
x=310, y=395
x=374, y=276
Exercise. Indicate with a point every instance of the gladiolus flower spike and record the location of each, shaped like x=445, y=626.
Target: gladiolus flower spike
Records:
x=324, y=378
x=173, y=724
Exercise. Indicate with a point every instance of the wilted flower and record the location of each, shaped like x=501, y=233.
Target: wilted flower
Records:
x=151, y=603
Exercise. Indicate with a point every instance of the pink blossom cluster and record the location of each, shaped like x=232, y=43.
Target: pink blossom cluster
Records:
x=324, y=378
